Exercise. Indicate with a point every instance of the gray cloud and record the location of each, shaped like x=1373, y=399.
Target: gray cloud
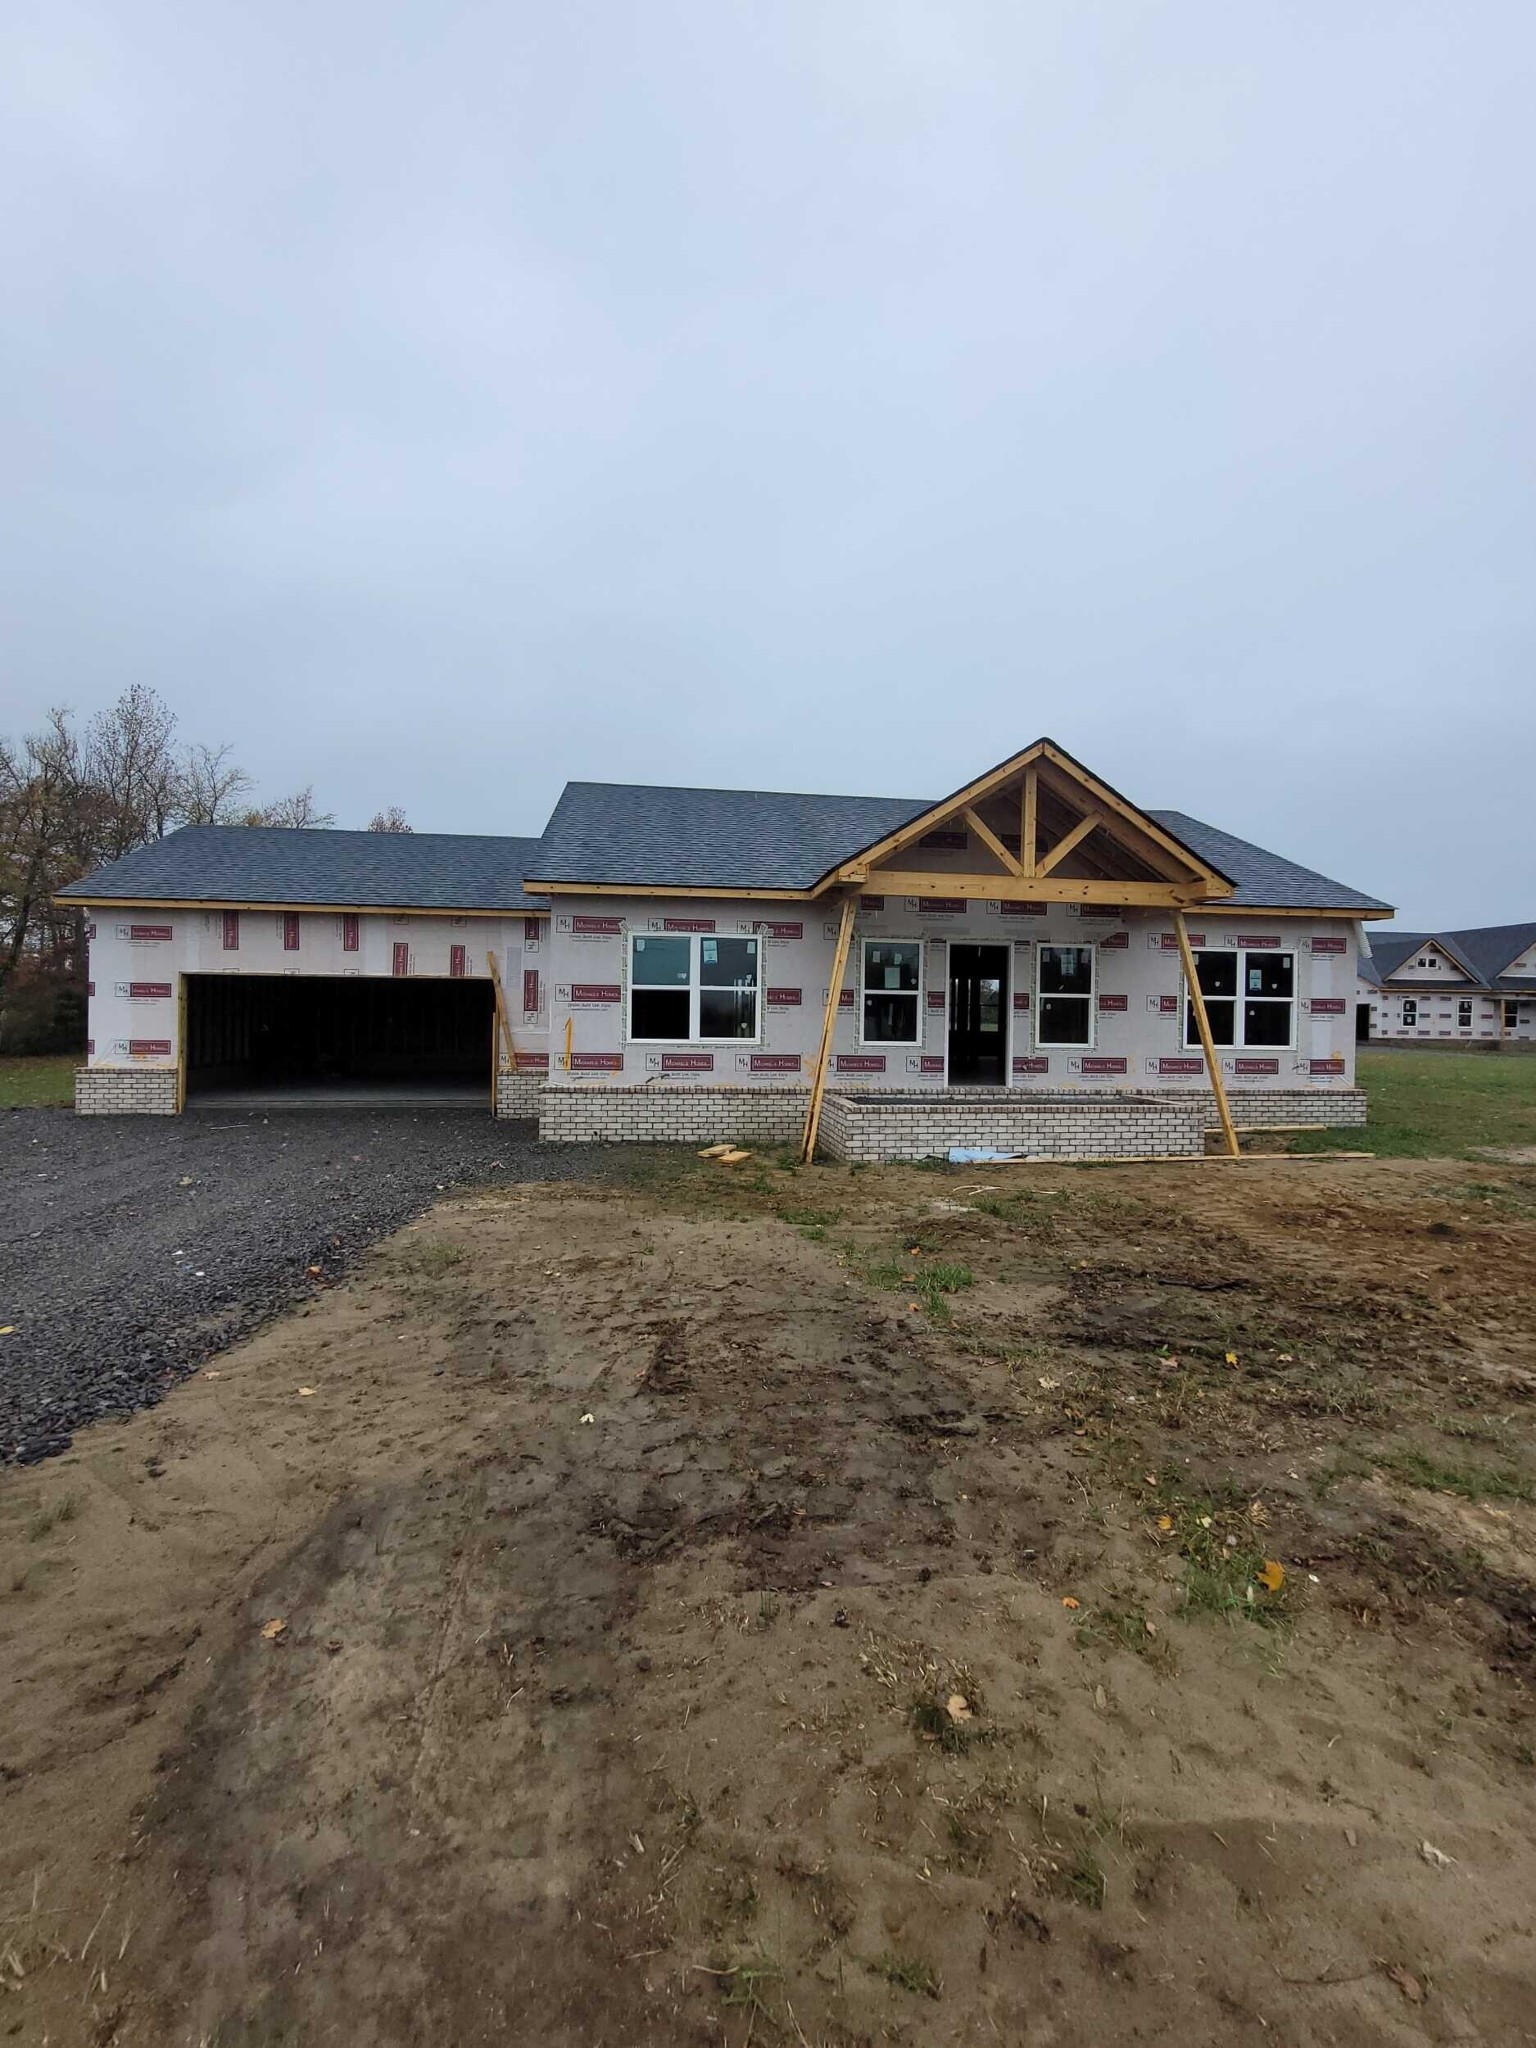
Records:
x=441, y=401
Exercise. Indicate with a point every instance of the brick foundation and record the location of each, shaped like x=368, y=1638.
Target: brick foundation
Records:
x=1254, y=1106
x=874, y=1128
x=125, y=1091
x=517, y=1095
x=661, y=1115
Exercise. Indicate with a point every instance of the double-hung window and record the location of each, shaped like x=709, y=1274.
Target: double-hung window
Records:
x=891, y=992
x=1464, y=1015
x=692, y=988
x=1064, y=995
x=1250, y=998
x=1410, y=1013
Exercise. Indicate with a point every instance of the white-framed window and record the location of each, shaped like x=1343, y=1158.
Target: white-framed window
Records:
x=1250, y=998
x=1064, y=993
x=1464, y=1014
x=1511, y=1016
x=692, y=988
x=1410, y=1013
x=891, y=992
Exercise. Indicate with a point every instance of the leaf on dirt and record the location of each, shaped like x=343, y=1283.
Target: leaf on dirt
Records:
x=1231, y=1357
x=7, y=1329
x=211, y=1372
x=1047, y=1382
x=1150, y=1627
x=1100, y=1698
x=1272, y=1577
x=1165, y=1523
x=313, y=1269
x=305, y=1392
x=1435, y=1856
x=1406, y=1982
x=1070, y=1602
x=589, y=1418
x=273, y=1629
x=958, y=1707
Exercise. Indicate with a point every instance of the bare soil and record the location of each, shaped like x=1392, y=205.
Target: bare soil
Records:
x=707, y=1618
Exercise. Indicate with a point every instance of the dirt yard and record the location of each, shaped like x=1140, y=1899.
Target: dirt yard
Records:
x=1021, y=1605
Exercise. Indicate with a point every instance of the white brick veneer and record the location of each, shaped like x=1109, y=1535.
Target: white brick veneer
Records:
x=877, y=1128
x=125, y=1091
x=517, y=1095
x=663, y=1115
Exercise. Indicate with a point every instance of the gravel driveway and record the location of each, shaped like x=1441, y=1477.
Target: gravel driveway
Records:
x=134, y=1248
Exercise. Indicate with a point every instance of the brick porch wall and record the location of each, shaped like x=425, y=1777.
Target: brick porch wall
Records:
x=671, y=1115
x=875, y=1129
x=125, y=1091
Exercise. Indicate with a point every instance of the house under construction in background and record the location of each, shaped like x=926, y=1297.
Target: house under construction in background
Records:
x=1033, y=963
x=1477, y=985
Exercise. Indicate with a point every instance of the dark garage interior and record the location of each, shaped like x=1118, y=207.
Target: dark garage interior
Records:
x=325, y=1038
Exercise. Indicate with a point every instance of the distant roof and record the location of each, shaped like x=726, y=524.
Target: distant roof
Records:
x=1483, y=951
x=371, y=870
x=632, y=833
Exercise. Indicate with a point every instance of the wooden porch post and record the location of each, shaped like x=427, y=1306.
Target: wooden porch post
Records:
x=1203, y=1025
x=828, y=1027
x=503, y=1023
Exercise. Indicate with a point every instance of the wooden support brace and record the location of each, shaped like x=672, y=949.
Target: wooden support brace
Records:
x=1203, y=1026
x=1063, y=847
x=990, y=840
x=828, y=1029
x=505, y=1048
x=1029, y=819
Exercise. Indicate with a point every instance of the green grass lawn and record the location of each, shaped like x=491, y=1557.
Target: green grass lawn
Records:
x=44, y=1083
x=1438, y=1105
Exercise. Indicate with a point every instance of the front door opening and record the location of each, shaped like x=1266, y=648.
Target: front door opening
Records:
x=978, y=1016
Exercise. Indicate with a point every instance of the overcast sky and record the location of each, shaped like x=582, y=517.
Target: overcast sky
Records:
x=440, y=401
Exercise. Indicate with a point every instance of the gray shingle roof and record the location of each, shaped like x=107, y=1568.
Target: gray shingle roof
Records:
x=1262, y=878
x=709, y=838
x=1483, y=951
x=266, y=864
x=619, y=832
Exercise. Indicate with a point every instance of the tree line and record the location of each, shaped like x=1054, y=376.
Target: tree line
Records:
x=74, y=797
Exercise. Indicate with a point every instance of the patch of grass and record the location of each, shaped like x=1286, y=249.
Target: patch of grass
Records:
x=43, y=1082
x=744, y=1981
x=1224, y=1563
x=1467, y=1479
x=928, y=1281
x=42, y=1524
x=1434, y=1105
x=907, y=1973
x=431, y=1257
x=932, y=1721
x=1129, y=1626
x=811, y=1218
x=1080, y=1879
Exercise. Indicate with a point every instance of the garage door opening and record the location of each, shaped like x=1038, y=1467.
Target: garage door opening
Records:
x=288, y=1040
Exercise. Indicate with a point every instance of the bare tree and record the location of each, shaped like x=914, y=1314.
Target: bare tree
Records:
x=391, y=820
x=72, y=801
x=129, y=759
x=299, y=812
x=212, y=787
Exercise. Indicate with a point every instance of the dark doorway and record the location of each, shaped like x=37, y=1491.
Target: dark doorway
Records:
x=339, y=1035
x=978, y=1016
x=1362, y=1023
